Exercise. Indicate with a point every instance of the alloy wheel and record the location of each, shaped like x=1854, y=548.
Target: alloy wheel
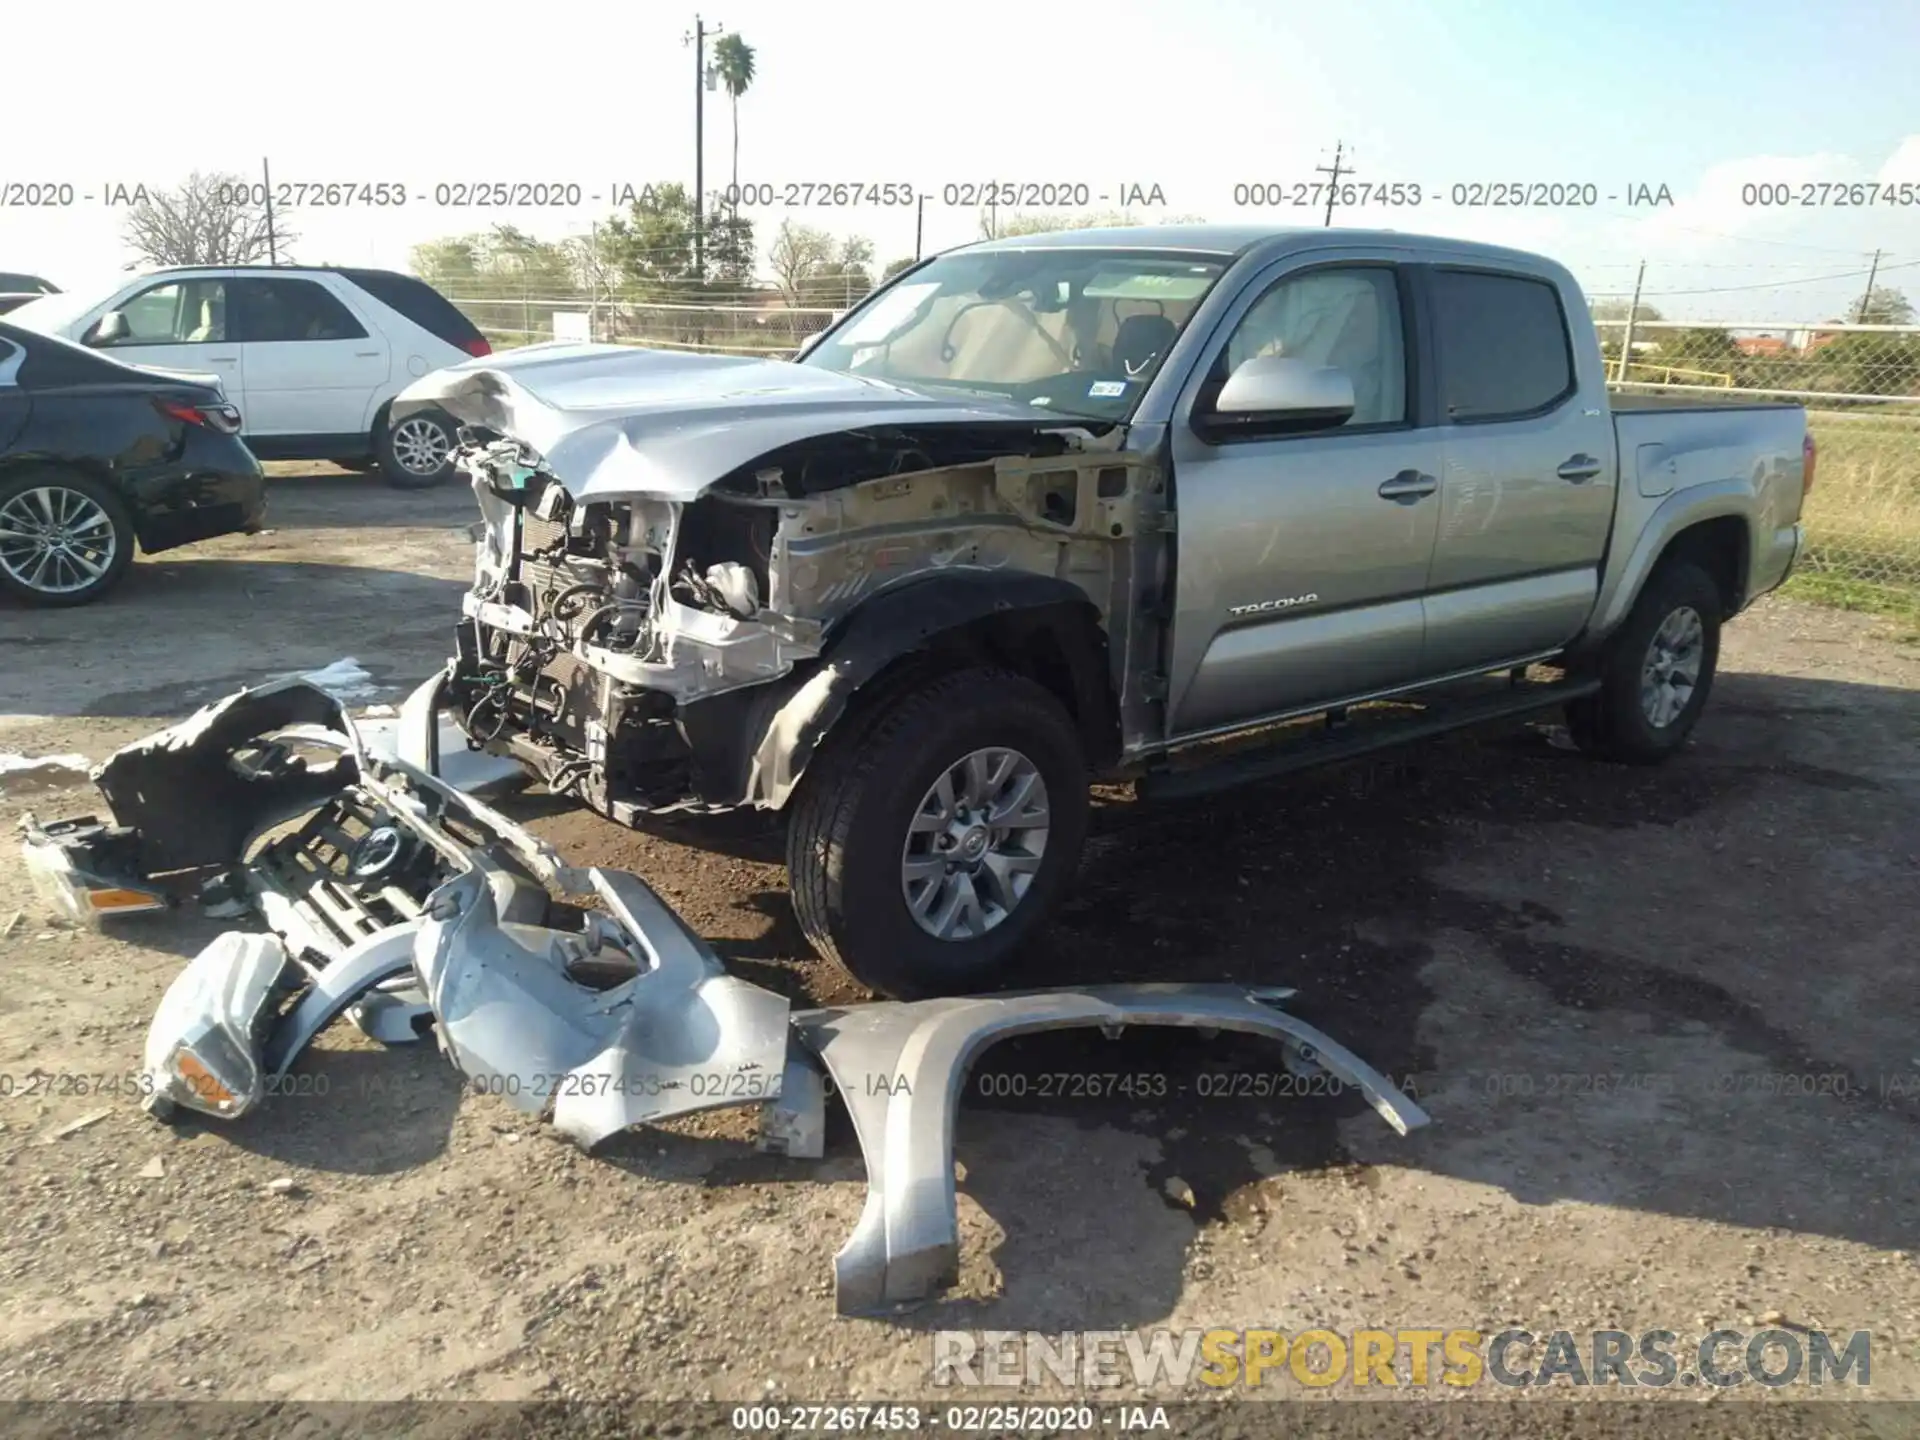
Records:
x=56, y=540
x=975, y=844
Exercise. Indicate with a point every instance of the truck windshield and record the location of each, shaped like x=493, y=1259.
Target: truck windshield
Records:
x=1081, y=332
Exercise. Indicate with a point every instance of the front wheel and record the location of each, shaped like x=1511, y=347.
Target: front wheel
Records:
x=417, y=452
x=65, y=538
x=927, y=845
x=1656, y=672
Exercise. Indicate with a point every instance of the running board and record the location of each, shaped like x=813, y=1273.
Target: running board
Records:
x=1348, y=741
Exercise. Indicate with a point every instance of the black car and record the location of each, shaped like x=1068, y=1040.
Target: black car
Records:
x=96, y=456
x=16, y=289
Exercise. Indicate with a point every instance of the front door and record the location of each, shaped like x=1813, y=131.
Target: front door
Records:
x=1302, y=557
x=182, y=325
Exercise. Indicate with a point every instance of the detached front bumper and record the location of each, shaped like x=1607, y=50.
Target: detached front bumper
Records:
x=397, y=897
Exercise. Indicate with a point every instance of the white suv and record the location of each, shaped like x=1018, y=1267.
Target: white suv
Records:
x=311, y=356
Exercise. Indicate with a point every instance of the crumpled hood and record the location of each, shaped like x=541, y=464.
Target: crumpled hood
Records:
x=619, y=420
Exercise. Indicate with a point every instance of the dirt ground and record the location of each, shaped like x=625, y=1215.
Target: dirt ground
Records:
x=1624, y=995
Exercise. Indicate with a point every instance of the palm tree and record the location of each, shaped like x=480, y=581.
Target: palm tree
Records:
x=733, y=61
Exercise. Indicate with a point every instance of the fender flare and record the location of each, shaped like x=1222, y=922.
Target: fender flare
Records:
x=786, y=729
x=1679, y=512
x=906, y=1244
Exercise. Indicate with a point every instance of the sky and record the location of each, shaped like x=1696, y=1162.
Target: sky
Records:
x=1196, y=98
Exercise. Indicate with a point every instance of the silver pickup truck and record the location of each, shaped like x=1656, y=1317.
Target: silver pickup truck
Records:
x=1189, y=506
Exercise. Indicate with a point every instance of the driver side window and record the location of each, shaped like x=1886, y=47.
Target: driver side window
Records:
x=1346, y=318
x=179, y=312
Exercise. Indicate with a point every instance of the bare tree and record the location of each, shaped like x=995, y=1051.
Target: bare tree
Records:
x=798, y=255
x=216, y=219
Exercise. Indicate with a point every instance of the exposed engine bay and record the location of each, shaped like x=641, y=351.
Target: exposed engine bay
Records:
x=623, y=648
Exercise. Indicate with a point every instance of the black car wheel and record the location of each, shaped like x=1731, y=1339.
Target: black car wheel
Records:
x=930, y=843
x=1656, y=673
x=65, y=538
x=417, y=452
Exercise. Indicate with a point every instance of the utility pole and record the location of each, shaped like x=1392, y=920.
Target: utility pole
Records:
x=1873, y=272
x=919, y=220
x=1333, y=174
x=698, y=39
x=266, y=185
x=1626, y=340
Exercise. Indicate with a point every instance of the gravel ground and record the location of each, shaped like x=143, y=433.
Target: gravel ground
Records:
x=1624, y=995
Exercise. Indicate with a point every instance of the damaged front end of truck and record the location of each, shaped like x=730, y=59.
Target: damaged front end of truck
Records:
x=688, y=564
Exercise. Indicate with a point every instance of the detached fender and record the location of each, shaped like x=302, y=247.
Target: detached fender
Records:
x=785, y=730
x=907, y=1242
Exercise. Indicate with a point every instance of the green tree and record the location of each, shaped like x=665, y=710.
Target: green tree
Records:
x=846, y=277
x=733, y=62
x=652, y=247
x=1866, y=364
x=894, y=267
x=1883, y=306
x=1616, y=311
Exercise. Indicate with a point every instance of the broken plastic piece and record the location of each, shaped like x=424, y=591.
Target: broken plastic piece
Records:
x=901, y=1067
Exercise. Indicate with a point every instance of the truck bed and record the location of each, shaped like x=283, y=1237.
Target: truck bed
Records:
x=1620, y=402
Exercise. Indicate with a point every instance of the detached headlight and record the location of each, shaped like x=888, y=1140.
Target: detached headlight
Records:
x=204, y=1046
x=83, y=898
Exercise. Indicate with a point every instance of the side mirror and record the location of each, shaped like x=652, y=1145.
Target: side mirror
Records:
x=1276, y=394
x=110, y=329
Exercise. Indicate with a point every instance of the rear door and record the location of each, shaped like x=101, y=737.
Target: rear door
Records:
x=183, y=324
x=313, y=366
x=1527, y=493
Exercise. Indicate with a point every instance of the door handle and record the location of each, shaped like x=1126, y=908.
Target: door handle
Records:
x=1579, y=468
x=223, y=359
x=1408, y=486
x=366, y=354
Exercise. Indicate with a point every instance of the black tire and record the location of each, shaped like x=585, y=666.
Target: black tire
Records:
x=848, y=832
x=15, y=557
x=395, y=464
x=1614, y=723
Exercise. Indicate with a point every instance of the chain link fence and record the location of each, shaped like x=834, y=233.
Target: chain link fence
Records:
x=1861, y=388
x=754, y=324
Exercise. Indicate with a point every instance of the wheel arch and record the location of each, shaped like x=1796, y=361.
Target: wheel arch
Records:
x=1036, y=625
x=1711, y=525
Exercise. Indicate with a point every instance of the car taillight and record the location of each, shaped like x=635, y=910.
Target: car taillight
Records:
x=1809, y=452
x=477, y=347
x=222, y=417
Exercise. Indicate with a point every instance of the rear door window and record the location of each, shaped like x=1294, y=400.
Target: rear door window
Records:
x=288, y=309
x=1504, y=351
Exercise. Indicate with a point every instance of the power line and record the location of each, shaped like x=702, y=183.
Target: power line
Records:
x=1784, y=284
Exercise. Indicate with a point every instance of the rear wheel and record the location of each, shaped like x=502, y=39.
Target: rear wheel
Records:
x=927, y=845
x=65, y=538
x=417, y=451
x=1657, y=671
